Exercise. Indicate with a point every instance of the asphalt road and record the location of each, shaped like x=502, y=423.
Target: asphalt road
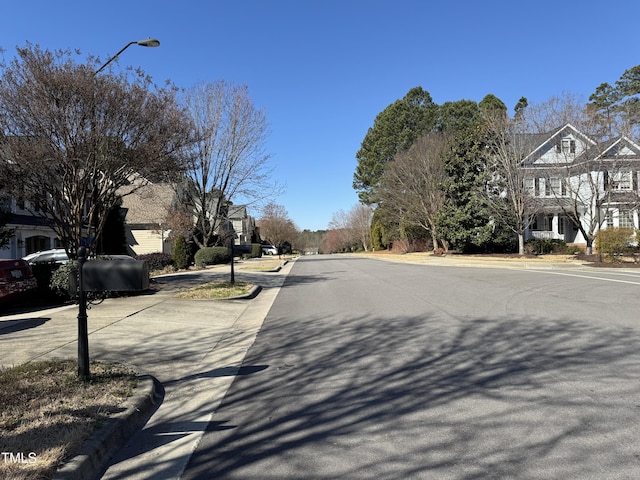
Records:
x=366, y=369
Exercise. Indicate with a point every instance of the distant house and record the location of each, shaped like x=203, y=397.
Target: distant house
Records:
x=244, y=226
x=32, y=233
x=146, y=211
x=575, y=179
x=146, y=229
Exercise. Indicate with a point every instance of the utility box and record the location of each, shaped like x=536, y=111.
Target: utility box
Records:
x=115, y=276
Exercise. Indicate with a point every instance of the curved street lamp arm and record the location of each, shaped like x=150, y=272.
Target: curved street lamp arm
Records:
x=148, y=42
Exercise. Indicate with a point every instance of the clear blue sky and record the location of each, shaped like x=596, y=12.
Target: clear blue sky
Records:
x=323, y=69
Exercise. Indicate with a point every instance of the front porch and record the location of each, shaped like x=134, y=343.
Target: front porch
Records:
x=553, y=226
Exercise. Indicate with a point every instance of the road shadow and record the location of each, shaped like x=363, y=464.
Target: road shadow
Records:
x=415, y=378
x=13, y=326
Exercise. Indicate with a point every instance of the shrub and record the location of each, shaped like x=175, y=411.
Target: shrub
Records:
x=59, y=283
x=613, y=242
x=212, y=256
x=180, y=253
x=573, y=249
x=256, y=251
x=157, y=261
x=543, y=246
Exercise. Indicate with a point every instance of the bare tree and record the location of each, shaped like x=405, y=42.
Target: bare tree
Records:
x=558, y=110
x=340, y=234
x=75, y=141
x=583, y=183
x=359, y=219
x=508, y=195
x=588, y=188
x=350, y=230
x=412, y=184
x=228, y=161
x=275, y=225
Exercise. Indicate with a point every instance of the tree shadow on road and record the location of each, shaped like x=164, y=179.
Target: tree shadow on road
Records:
x=509, y=399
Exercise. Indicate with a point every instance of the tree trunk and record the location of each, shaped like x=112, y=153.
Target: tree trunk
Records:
x=520, y=244
x=434, y=239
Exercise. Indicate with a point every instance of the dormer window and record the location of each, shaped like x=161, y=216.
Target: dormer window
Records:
x=566, y=145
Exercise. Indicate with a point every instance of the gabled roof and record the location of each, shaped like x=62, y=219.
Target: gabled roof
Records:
x=549, y=141
x=237, y=211
x=620, y=147
x=149, y=204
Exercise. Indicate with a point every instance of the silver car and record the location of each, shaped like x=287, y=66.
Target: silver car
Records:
x=56, y=255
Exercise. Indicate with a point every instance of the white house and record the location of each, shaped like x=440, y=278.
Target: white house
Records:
x=575, y=179
x=31, y=232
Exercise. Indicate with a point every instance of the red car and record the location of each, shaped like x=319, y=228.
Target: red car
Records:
x=16, y=278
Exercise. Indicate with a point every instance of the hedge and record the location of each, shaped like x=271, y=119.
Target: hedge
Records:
x=157, y=261
x=212, y=256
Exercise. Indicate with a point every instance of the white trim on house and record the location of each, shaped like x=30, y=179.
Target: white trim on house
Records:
x=617, y=187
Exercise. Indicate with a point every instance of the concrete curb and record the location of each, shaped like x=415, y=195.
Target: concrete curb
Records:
x=103, y=444
x=253, y=293
x=278, y=268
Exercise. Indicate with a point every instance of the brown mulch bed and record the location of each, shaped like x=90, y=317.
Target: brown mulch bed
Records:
x=591, y=260
x=596, y=261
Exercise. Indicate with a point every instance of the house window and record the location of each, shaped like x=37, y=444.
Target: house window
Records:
x=625, y=219
x=621, y=181
x=555, y=187
x=566, y=145
x=534, y=223
x=548, y=223
x=530, y=186
x=561, y=221
x=609, y=219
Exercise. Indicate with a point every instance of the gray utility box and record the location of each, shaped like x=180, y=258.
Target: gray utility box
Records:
x=115, y=276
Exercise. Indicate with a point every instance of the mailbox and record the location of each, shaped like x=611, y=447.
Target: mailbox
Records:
x=115, y=276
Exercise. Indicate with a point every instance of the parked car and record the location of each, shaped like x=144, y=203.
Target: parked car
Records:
x=16, y=279
x=56, y=255
x=269, y=250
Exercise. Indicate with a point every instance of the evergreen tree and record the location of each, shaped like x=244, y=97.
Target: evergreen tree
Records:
x=394, y=130
x=180, y=253
x=466, y=221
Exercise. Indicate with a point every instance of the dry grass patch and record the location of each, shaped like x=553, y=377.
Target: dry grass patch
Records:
x=263, y=266
x=48, y=412
x=219, y=289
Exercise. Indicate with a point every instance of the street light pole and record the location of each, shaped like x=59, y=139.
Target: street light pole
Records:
x=83, y=333
x=147, y=42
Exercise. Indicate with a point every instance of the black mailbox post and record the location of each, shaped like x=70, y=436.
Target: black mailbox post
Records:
x=101, y=276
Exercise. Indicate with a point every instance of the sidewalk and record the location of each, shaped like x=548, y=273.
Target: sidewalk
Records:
x=194, y=348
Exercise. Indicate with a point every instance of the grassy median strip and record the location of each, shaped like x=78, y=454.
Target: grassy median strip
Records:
x=48, y=412
x=263, y=266
x=219, y=289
